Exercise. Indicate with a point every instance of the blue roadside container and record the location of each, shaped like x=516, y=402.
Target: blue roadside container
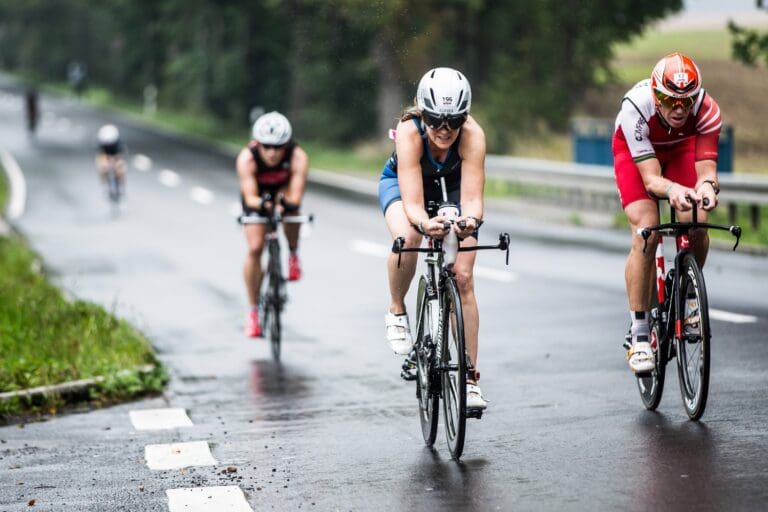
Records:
x=591, y=139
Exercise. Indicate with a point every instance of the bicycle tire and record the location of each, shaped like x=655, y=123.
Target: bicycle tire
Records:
x=454, y=370
x=273, y=306
x=113, y=186
x=651, y=387
x=693, y=351
x=428, y=397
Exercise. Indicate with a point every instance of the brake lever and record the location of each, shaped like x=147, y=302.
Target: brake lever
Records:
x=504, y=244
x=645, y=233
x=397, y=247
x=735, y=231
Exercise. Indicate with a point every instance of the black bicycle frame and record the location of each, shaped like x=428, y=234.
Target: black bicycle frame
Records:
x=669, y=305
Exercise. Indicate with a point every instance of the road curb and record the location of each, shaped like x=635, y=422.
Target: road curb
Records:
x=72, y=387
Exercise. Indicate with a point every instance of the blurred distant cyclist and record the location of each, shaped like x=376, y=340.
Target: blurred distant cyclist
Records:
x=109, y=161
x=436, y=138
x=31, y=109
x=664, y=146
x=272, y=162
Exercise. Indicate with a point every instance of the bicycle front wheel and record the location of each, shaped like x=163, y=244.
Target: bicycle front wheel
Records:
x=426, y=393
x=693, y=338
x=454, y=370
x=273, y=306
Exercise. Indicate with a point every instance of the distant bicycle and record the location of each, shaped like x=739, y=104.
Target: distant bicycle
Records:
x=274, y=294
x=679, y=320
x=439, y=356
x=114, y=184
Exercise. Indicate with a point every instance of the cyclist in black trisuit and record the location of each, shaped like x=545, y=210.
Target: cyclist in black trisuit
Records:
x=271, y=162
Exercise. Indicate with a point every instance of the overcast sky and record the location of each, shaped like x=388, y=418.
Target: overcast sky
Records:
x=716, y=13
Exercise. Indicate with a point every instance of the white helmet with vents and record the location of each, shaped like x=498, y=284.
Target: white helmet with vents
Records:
x=444, y=91
x=272, y=128
x=108, y=135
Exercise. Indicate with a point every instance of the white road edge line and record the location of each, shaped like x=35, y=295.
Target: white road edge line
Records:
x=202, y=499
x=169, y=178
x=178, y=455
x=159, y=419
x=735, y=318
x=382, y=251
x=18, y=185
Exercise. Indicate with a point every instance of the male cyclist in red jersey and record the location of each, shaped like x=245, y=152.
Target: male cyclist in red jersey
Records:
x=272, y=162
x=664, y=146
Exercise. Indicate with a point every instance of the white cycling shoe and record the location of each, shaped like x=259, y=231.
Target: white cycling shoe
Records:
x=640, y=356
x=399, y=333
x=475, y=398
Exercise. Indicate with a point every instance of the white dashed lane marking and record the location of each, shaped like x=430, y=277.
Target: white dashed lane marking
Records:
x=228, y=498
x=382, y=251
x=735, y=318
x=159, y=419
x=201, y=195
x=169, y=178
x=142, y=163
x=178, y=455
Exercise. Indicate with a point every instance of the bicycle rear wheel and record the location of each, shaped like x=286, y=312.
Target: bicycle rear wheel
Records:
x=426, y=393
x=454, y=370
x=693, y=342
x=651, y=386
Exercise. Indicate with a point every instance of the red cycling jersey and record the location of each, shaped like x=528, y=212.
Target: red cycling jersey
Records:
x=641, y=133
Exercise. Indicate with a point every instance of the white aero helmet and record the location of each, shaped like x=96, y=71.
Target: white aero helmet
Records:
x=272, y=128
x=108, y=135
x=444, y=91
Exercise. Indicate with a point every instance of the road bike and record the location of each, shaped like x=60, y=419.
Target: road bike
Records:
x=274, y=295
x=679, y=320
x=439, y=357
x=114, y=185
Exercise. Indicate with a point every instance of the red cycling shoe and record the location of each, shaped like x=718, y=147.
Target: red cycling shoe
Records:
x=294, y=268
x=252, y=327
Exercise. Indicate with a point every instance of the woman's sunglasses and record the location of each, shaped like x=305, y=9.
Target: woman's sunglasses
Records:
x=273, y=146
x=671, y=102
x=438, y=121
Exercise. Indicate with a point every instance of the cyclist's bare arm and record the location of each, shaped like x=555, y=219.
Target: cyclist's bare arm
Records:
x=707, y=184
x=658, y=185
x=294, y=192
x=246, y=175
x=472, y=151
x=409, y=150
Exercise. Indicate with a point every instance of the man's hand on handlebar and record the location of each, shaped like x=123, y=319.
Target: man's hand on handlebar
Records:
x=708, y=196
x=681, y=198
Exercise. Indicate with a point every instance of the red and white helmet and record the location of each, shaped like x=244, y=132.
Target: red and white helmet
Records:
x=272, y=128
x=444, y=91
x=676, y=76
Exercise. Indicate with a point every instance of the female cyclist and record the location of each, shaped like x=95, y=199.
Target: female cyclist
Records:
x=437, y=138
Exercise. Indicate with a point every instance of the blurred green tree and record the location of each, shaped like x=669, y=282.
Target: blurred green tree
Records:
x=341, y=70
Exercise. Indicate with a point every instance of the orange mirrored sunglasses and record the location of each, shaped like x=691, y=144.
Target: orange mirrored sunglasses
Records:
x=671, y=102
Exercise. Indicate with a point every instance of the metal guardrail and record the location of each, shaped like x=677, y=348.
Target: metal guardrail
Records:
x=594, y=186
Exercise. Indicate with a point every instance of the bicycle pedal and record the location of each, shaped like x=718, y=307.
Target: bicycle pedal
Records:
x=407, y=375
x=475, y=413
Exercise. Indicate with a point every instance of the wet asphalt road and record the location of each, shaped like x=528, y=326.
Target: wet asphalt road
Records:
x=333, y=427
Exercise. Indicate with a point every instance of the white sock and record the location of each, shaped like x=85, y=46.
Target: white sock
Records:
x=640, y=325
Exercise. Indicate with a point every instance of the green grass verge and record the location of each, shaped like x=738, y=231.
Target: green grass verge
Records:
x=46, y=339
